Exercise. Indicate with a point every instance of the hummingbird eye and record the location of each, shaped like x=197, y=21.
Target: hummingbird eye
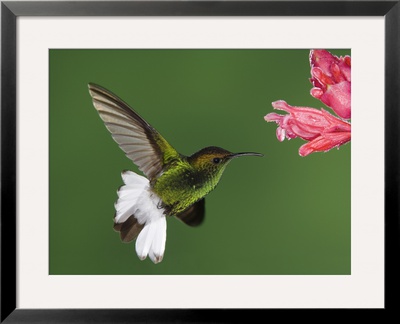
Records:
x=216, y=160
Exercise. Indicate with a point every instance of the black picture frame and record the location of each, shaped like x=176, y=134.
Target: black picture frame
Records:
x=10, y=10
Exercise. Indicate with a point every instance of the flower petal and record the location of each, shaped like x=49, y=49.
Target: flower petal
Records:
x=280, y=134
x=316, y=92
x=345, y=67
x=323, y=60
x=338, y=97
x=331, y=78
x=273, y=117
x=325, y=142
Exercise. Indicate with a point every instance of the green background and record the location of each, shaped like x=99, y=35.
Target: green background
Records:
x=280, y=214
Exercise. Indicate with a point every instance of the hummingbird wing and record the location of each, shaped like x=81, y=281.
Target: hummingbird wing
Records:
x=194, y=215
x=137, y=138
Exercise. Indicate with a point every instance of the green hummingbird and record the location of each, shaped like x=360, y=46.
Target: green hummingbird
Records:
x=175, y=185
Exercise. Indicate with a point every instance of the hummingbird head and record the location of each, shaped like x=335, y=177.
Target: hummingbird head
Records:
x=213, y=160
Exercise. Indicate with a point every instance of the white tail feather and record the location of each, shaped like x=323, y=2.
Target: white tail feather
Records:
x=145, y=240
x=129, y=194
x=158, y=246
x=136, y=198
x=133, y=178
x=151, y=240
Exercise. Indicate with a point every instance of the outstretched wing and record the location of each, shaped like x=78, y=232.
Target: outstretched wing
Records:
x=137, y=138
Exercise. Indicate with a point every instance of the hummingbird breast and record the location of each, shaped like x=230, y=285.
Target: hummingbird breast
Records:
x=181, y=186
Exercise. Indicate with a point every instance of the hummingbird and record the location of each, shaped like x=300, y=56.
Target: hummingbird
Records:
x=174, y=184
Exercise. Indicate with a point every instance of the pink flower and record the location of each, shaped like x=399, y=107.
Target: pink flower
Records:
x=322, y=130
x=331, y=78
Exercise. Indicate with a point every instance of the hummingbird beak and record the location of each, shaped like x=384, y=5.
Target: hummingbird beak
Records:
x=235, y=155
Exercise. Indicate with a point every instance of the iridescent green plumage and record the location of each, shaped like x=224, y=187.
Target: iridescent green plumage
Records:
x=181, y=182
x=191, y=178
